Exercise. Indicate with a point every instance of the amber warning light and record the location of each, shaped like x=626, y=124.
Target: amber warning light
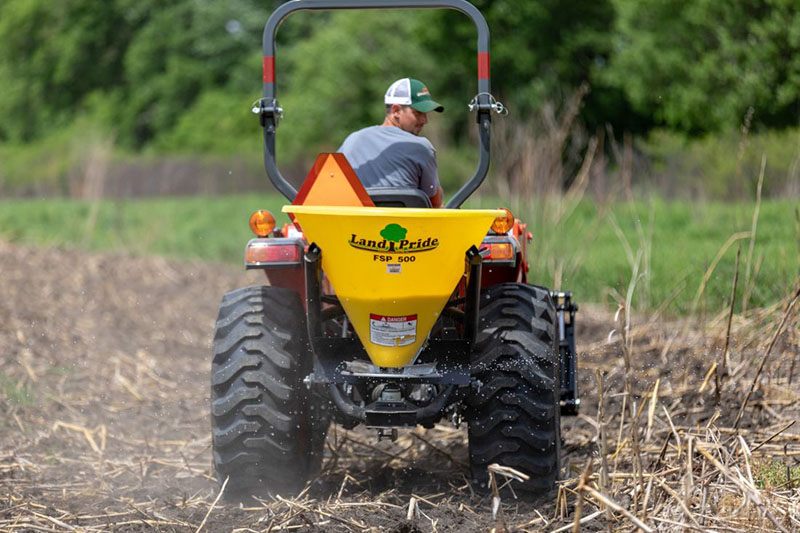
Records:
x=262, y=223
x=503, y=224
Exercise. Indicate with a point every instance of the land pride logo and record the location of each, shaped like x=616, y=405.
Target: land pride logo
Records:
x=394, y=241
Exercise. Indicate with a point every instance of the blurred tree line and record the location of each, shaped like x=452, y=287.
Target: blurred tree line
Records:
x=179, y=76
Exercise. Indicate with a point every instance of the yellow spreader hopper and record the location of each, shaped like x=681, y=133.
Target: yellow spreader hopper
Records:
x=393, y=269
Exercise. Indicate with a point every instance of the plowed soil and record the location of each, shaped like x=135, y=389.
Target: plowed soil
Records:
x=104, y=425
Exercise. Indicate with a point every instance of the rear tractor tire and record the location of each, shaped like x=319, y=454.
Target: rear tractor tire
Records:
x=514, y=414
x=267, y=432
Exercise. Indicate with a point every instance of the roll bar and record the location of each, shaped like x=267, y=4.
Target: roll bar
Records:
x=270, y=112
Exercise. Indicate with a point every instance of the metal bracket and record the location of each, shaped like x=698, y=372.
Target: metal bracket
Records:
x=387, y=434
x=267, y=110
x=493, y=105
x=565, y=310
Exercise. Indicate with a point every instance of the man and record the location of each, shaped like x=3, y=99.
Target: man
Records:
x=393, y=154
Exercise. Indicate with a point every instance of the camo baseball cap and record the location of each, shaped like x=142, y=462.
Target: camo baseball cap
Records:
x=408, y=91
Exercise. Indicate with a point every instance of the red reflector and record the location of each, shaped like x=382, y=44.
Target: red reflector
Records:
x=483, y=65
x=264, y=252
x=269, y=69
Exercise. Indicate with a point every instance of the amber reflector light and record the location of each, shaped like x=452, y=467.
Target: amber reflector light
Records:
x=504, y=223
x=262, y=223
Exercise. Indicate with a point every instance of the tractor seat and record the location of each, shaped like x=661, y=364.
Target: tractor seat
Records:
x=394, y=197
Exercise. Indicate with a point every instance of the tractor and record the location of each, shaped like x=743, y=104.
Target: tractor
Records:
x=380, y=311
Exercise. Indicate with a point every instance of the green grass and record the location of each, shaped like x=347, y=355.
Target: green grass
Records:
x=580, y=250
x=679, y=241
x=775, y=474
x=197, y=227
x=15, y=392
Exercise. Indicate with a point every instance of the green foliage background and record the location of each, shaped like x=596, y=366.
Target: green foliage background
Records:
x=180, y=76
x=697, y=65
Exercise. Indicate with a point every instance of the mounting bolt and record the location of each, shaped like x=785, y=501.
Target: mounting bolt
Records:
x=476, y=384
x=456, y=419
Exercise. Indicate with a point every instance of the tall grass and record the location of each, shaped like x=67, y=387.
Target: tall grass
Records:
x=594, y=250
x=601, y=209
x=583, y=246
x=213, y=228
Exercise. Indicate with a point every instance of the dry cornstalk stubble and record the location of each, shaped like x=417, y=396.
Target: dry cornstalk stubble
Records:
x=103, y=421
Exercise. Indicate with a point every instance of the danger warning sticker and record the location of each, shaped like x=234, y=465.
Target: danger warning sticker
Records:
x=392, y=330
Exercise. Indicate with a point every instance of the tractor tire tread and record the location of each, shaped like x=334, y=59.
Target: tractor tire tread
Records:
x=514, y=414
x=262, y=436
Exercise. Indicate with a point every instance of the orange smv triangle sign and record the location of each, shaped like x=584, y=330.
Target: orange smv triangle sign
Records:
x=332, y=181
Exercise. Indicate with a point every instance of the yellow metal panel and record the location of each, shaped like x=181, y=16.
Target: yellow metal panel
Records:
x=393, y=269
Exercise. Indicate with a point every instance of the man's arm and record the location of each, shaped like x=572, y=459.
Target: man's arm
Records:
x=436, y=199
x=429, y=178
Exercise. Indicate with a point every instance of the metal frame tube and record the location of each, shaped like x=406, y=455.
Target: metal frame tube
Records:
x=270, y=112
x=313, y=292
x=472, y=303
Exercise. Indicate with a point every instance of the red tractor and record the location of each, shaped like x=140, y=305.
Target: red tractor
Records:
x=388, y=314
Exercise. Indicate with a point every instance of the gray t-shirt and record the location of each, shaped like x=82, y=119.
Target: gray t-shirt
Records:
x=386, y=156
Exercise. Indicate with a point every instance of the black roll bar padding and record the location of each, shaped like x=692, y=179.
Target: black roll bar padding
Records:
x=484, y=119
x=270, y=112
x=271, y=166
x=472, y=302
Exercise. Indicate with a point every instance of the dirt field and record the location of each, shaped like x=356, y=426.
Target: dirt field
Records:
x=104, y=362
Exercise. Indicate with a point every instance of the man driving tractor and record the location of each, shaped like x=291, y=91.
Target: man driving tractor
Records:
x=432, y=317
x=393, y=154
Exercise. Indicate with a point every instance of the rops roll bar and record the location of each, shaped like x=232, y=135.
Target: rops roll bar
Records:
x=270, y=112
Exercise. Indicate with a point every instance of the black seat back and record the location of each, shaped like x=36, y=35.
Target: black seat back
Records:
x=395, y=197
